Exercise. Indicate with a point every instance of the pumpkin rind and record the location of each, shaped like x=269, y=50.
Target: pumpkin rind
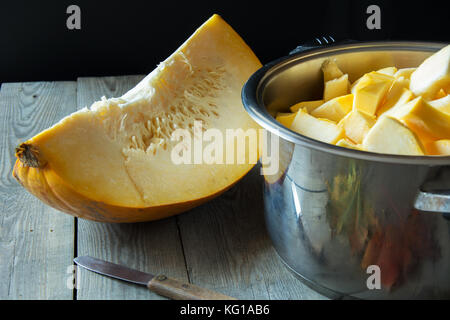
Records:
x=103, y=164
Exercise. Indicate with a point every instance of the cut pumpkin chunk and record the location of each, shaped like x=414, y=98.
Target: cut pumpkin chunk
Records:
x=442, y=104
x=395, y=93
x=438, y=148
x=404, y=72
x=115, y=161
x=370, y=91
x=356, y=125
x=396, y=111
x=426, y=121
x=390, y=136
x=285, y=118
x=370, y=77
x=331, y=70
x=336, y=88
x=320, y=129
x=390, y=71
x=406, y=96
x=432, y=75
x=345, y=143
x=354, y=85
x=335, y=109
x=441, y=94
x=308, y=105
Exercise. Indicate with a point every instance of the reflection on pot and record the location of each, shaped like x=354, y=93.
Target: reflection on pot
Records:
x=396, y=249
x=330, y=218
x=333, y=212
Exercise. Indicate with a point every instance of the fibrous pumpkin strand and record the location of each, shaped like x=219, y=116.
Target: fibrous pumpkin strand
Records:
x=149, y=129
x=113, y=161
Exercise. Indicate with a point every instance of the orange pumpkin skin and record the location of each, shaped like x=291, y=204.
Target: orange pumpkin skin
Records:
x=50, y=189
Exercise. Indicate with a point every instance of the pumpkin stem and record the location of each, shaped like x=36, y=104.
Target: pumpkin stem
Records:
x=29, y=155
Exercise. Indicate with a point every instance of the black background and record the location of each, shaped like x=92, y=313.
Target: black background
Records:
x=132, y=37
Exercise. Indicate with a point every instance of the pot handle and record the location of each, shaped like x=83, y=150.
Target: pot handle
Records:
x=319, y=42
x=434, y=195
x=434, y=202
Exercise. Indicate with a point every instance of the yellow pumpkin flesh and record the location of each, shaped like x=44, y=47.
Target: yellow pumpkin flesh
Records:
x=113, y=161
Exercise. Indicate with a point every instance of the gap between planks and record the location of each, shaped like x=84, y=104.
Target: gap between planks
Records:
x=35, y=251
x=221, y=245
x=153, y=247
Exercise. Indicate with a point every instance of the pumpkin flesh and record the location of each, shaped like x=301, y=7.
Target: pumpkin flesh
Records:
x=114, y=161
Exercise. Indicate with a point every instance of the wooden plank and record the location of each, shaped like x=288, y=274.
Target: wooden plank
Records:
x=227, y=248
x=153, y=247
x=36, y=241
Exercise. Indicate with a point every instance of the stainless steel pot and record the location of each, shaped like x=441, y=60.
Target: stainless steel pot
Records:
x=346, y=221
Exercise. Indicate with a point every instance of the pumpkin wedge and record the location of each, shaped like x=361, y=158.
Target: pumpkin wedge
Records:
x=113, y=162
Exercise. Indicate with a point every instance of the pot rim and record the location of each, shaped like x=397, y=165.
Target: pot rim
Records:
x=253, y=102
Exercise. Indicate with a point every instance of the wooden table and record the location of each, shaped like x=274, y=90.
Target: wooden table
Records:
x=221, y=245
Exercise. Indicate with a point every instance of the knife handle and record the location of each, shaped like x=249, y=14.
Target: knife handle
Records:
x=175, y=289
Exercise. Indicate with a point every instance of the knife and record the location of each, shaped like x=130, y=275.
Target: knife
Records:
x=160, y=284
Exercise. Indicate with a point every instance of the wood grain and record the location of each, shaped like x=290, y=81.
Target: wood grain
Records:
x=36, y=241
x=225, y=243
x=227, y=248
x=221, y=245
x=178, y=290
x=152, y=247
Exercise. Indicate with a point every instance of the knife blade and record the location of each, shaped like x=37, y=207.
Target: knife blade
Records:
x=160, y=284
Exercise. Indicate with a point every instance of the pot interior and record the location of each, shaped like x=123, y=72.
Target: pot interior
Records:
x=300, y=78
